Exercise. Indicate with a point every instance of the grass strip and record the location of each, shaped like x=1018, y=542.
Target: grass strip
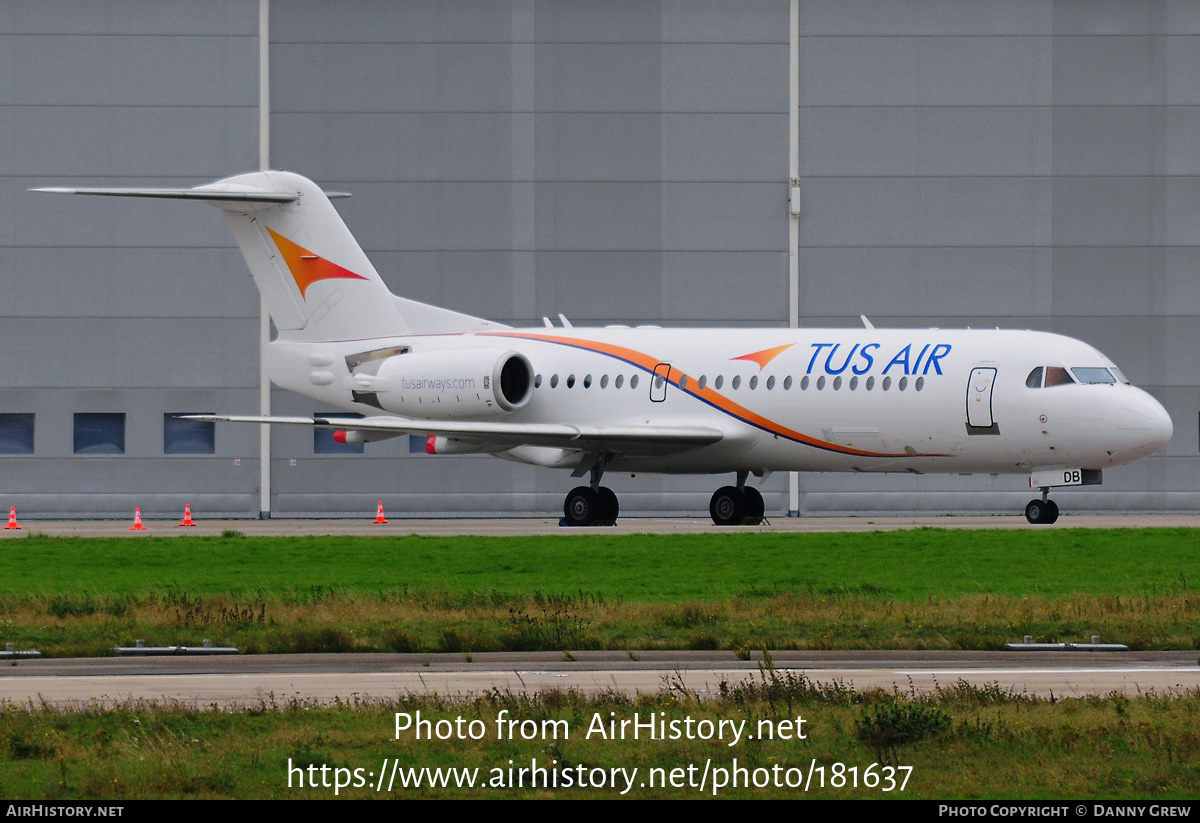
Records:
x=960, y=742
x=923, y=589
x=902, y=565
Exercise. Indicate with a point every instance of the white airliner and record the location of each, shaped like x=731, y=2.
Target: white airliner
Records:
x=711, y=401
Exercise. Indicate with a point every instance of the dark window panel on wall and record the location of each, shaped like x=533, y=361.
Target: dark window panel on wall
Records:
x=188, y=436
x=99, y=433
x=16, y=433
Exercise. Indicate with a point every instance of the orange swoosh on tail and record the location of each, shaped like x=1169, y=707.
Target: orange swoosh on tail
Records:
x=307, y=268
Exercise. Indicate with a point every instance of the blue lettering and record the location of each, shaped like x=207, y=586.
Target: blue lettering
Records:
x=939, y=351
x=816, y=354
x=829, y=369
x=917, y=365
x=870, y=361
x=900, y=358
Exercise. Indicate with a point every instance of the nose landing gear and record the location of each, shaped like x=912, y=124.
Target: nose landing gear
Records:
x=1042, y=512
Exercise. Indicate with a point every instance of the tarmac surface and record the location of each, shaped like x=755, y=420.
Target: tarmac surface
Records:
x=280, y=680
x=398, y=525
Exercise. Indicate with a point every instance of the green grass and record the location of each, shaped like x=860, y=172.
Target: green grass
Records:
x=901, y=565
x=960, y=742
x=924, y=589
x=738, y=591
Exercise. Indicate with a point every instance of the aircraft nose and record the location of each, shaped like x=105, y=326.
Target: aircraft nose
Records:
x=1143, y=426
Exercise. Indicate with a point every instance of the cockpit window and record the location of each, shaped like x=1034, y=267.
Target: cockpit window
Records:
x=1057, y=376
x=1093, y=375
x=1034, y=380
x=1117, y=373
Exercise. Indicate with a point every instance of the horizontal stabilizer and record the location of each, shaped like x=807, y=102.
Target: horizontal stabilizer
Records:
x=626, y=440
x=246, y=194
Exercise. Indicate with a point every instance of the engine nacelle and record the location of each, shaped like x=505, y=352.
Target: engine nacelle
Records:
x=455, y=383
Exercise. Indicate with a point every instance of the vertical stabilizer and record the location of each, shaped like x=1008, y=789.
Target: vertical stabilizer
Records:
x=317, y=282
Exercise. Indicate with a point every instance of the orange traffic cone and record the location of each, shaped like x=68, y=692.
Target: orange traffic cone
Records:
x=12, y=518
x=137, y=522
x=379, y=518
x=187, y=515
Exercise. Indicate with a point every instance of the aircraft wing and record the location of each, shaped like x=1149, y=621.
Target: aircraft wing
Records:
x=627, y=440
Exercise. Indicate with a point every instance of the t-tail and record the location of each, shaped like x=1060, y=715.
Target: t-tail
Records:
x=314, y=277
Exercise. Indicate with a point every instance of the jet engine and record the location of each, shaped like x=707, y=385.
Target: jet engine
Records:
x=450, y=384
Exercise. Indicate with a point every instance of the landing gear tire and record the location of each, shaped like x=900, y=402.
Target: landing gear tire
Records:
x=755, y=506
x=609, y=507
x=582, y=506
x=728, y=506
x=1041, y=512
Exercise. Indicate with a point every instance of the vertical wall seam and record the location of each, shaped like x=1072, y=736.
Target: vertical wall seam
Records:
x=793, y=219
x=264, y=319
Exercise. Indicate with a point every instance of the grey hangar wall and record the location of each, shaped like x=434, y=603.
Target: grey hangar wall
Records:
x=1025, y=164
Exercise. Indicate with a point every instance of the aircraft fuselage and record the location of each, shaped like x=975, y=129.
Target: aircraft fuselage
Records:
x=881, y=400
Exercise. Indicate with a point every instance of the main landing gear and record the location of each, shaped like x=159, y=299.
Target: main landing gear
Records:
x=592, y=505
x=737, y=505
x=596, y=505
x=1042, y=512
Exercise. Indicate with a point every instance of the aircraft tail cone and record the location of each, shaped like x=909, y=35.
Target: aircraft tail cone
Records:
x=137, y=522
x=379, y=518
x=12, y=518
x=187, y=515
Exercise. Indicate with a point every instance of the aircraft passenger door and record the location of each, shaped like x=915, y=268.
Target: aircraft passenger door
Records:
x=979, y=398
x=659, y=382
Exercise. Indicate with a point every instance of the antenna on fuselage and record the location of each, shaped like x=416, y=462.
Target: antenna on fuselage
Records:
x=867, y=324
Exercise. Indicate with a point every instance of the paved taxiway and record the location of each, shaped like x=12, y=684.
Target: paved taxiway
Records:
x=400, y=525
x=279, y=679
